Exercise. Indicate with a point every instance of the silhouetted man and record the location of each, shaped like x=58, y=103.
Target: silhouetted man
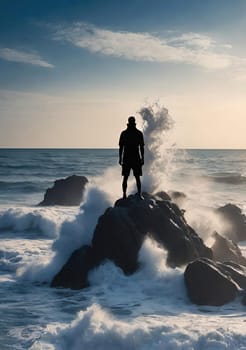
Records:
x=132, y=149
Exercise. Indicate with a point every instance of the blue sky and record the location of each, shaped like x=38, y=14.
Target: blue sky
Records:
x=68, y=66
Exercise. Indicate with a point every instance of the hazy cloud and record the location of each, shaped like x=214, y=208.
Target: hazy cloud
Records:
x=189, y=48
x=13, y=55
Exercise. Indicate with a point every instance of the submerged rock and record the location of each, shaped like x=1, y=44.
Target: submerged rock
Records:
x=227, y=250
x=67, y=191
x=209, y=283
x=235, y=221
x=121, y=230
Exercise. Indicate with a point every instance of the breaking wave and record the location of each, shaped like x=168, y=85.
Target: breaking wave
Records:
x=228, y=178
x=44, y=222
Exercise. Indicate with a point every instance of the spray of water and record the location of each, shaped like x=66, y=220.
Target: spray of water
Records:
x=157, y=124
x=104, y=190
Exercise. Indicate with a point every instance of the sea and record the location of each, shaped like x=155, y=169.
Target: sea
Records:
x=149, y=310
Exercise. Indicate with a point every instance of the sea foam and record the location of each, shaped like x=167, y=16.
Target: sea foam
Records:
x=73, y=234
x=40, y=221
x=95, y=328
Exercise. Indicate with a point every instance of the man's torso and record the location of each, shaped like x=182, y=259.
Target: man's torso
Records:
x=131, y=139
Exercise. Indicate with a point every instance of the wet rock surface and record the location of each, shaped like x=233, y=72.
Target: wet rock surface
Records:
x=68, y=192
x=235, y=221
x=212, y=277
x=227, y=250
x=209, y=283
x=121, y=230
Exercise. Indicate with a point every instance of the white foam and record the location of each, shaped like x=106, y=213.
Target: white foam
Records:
x=153, y=280
x=73, y=234
x=159, y=315
x=95, y=328
x=42, y=221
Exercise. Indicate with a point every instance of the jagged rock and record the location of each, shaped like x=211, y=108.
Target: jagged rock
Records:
x=162, y=195
x=236, y=271
x=235, y=221
x=209, y=283
x=117, y=238
x=178, y=197
x=67, y=191
x=227, y=250
x=74, y=272
x=121, y=230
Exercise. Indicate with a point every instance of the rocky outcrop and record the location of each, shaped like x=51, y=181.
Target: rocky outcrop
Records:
x=121, y=231
x=227, y=250
x=67, y=191
x=119, y=235
x=217, y=282
x=209, y=283
x=235, y=222
x=178, y=197
x=74, y=273
x=236, y=271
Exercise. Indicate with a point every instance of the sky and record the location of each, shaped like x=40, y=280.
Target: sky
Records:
x=72, y=71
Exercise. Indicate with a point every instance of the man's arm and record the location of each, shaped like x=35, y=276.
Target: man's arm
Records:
x=120, y=154
x=142, y=154
x=141, y=146
x=121, y=147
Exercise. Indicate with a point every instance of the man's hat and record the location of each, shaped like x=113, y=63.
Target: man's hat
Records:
x=131, y=121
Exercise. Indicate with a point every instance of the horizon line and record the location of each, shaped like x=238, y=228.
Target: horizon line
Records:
x=110, y=148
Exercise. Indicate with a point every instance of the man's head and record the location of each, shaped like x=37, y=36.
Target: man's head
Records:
x=131, y=121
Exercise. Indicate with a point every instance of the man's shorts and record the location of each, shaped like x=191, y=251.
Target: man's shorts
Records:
x=136, y=167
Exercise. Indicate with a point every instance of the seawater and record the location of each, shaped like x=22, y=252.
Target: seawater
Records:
x=148, y=310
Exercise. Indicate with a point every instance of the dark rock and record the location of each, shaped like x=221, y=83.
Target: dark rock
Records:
x=162, y=195
x=236, y=272
x=227, y=250
x=117, y=238
x=67, y=191
x=235, y=221
x=74, y=272
x=178, y=197
x=209, y=284
x=121, y=230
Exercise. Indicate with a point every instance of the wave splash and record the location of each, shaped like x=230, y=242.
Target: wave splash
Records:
x=95, y=326
x=159, y=150
x=41, y=222
x=100, y=194
x=73, y=234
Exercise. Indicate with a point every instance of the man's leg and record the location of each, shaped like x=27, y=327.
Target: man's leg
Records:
x=138, y=182
x=124, y=185
x=137, y=172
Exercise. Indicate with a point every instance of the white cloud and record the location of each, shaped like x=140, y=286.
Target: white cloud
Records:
x=193, y=40
x=13, y=55
x=189, y=48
